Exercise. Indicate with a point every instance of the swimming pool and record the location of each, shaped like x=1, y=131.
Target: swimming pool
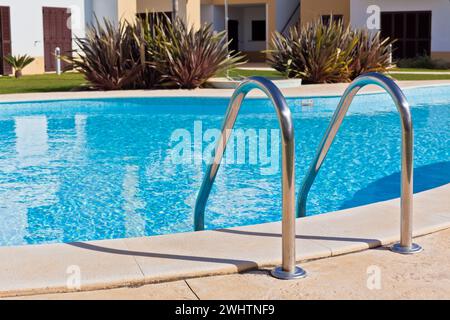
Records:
x=79, y=170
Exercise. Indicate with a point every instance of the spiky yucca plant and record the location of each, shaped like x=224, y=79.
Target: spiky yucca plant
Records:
x=109, y=57
x=322, y=53
x=187, y=58
x=18, y=62
x=318, y=53
x=148, y=40
x=151, y=52
x=283, y=55
x=371, y=54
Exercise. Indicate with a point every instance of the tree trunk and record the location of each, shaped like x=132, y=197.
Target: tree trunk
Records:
x=18, y=74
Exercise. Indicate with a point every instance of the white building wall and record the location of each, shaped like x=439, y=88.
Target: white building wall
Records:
x=248, y=14
x=219, y=18
x=440, y=25
x=101, y=9
x=285, y=8
x=27, y=33
x=207, y=13
x=245, y=15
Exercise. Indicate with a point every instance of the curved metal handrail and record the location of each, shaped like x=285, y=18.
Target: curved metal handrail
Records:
x=288, y=270
x=405, y=245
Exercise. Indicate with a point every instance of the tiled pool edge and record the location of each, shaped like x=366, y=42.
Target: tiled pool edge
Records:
x=114, y=263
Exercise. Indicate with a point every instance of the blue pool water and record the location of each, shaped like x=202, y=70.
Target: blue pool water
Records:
x=101, y=169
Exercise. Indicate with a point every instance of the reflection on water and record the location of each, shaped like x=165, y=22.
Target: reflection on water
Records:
x=18, y=196
x=134, y=220
x=80, y=130
x=91, y=173
x=31, y=140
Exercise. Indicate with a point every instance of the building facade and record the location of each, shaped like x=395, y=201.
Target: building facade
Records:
x=26, y=28
x=420, y=27
x=250, y=22
x=37, y=27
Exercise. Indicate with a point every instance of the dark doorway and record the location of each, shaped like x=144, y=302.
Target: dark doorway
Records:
x=327, y=18
x=412, y=29
x=5, y=40
x=233, y=35
x=57, y=33
x=259, y=30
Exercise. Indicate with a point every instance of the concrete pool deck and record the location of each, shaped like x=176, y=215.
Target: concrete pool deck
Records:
x=313, y=90
x=37, y=269
x=422, y=276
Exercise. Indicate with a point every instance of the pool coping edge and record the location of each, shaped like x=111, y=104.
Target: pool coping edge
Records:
x=117, y=263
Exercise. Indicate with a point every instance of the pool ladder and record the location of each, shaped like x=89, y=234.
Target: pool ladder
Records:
x=288, y=269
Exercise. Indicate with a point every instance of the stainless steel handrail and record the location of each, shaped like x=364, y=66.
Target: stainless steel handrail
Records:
x=406, y=245
x=288, y=270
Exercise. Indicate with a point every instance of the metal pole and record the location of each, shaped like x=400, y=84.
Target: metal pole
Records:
x=406, y=245
x=58, y=60
x=288, y=270
x=228, y=37
x=390, y=54
x=174, y=9
x=226, y=17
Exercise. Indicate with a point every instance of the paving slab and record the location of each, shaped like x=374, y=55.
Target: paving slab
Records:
x=177, y=290
x=215, y=252
x=371, y=274
x=56, y=267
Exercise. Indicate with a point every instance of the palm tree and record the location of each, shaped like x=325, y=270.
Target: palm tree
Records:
x=18, y=63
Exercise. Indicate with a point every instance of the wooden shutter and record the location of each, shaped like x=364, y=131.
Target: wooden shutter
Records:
x=5, y=39
x=56, y=34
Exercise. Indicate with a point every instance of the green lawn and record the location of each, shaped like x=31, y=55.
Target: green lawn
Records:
x=419, y=70
x=276, y=74
x=398, y=76
x=236, y=73
x=71, y=81
x=41, y=83
x=410, y=77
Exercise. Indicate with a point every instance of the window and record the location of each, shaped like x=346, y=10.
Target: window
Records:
x=411, y=29
x=259, y=30
x=336, y=18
